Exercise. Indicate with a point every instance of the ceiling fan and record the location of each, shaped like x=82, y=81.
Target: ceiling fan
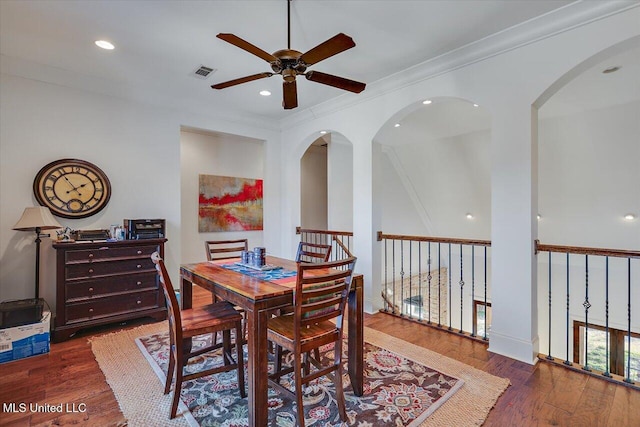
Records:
x=290, y=63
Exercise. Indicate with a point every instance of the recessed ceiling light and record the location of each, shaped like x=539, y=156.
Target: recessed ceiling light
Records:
x=475, y=105
x=611, y=69
x=322, y=132
x=469, y=216
x=265, y=93
x=397, y=125
x=629, y=217
x=427, y=101
x=104, y=44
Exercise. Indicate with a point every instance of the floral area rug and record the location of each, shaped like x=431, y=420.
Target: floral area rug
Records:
x=397, y=391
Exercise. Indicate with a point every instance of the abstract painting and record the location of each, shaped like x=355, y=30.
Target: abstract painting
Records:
x=229, y=204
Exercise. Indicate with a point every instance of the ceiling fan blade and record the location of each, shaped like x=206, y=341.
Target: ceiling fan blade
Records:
x=335, y=81
x=245, y=45
x=241, y=80
x=290, y=95
x=336, y=44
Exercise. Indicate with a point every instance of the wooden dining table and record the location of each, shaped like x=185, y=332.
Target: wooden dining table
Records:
x=260, y=298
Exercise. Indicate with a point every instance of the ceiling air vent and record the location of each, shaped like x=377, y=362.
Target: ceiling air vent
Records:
x=203, y=72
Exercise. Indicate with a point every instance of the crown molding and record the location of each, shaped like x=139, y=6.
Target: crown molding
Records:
x=564, y=19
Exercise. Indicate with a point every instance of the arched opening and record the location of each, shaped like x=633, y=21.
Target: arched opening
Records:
x=589, y=198
x=433, y=183
x=326, y=184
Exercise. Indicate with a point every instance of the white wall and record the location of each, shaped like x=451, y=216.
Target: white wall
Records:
x=589, y=178
x=340, y=184
x=313, y=188
x=213, y=154
x=138, y=147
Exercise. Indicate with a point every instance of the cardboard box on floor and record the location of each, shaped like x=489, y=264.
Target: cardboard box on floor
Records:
x=26, y=340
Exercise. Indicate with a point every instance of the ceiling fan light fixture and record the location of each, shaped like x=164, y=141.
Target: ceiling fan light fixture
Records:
x=290, y=63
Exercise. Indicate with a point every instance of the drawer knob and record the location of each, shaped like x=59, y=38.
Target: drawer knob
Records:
x=91, y=310
x=90, y=289
x=139, y=266
x=91, y=270
x=90, y=255
x=138, y=302
x=139, y=252
x=138, y=283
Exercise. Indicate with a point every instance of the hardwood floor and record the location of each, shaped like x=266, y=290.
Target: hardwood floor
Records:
x=539, y=395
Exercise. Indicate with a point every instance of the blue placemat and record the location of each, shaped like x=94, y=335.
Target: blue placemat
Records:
x=269, y=275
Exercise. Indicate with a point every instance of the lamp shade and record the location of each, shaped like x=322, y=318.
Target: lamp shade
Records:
x=36, y=217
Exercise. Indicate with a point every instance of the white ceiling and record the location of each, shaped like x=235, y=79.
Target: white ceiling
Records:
x=160, y=43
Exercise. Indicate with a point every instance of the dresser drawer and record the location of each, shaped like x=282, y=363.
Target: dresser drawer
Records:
x=95, y=288
x=105, y=268
x=111, y=306
x=106, y=252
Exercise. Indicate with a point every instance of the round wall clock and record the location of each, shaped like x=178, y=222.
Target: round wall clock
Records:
x=72, y=188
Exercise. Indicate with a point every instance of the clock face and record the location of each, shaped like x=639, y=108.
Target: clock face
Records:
x=72, y=188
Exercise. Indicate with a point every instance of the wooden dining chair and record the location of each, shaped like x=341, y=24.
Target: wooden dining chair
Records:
x=224, y=249
x=313, y=252
x=227, y=249
x=186, y=324
x=320, y=299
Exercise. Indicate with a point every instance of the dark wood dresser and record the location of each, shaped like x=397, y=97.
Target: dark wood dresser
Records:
x=105, y=282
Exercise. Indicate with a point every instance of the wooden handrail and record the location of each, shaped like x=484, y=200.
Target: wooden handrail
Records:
x=342, y=246
x=300, y=230
x=620, y=253
x=381, y=236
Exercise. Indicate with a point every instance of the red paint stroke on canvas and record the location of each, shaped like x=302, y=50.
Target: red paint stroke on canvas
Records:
x=246, y=194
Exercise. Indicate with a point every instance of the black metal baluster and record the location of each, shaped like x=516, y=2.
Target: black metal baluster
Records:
x=401, y=277
x=429, y=276
x=567, y=361
x=628, y=378
x=587, y=305
x=449, y=296
x=606, y=372
x=410, y=280
x=393, y=272
x=386, y=276
x=486, y=311
x=461, y=291
x=473, y=288
x=549, y=357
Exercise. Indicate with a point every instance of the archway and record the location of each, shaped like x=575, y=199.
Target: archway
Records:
x=433, y=181
x=588, y=197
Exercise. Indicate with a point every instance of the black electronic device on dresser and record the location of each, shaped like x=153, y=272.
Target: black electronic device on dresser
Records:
x=105, y=282
x=138, y=229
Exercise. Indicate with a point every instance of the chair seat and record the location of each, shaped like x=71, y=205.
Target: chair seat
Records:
x=201, y=320
x=283, y=327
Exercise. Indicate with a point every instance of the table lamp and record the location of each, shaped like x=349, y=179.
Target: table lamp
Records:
x=36, y=219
